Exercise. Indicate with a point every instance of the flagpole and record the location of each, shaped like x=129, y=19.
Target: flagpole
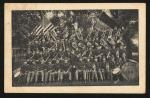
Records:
x=43, y=22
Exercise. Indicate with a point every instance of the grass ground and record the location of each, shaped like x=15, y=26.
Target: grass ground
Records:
x=79, y=83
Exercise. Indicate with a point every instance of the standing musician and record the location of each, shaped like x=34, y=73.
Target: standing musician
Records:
x=73, y=71
x=94, y=73
x=108, y=72
x=77, y=74
x=89, y=71
x=60, y=75
x=31, y=72
x=48, y=76
x=100, y=74
x=116, y=72
x=40, y=71
x=85, y=75
x=54, y=75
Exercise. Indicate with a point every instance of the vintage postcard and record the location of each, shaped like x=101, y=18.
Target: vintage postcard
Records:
x=75, y=48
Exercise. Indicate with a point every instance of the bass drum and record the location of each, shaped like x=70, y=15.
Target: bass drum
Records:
x=116, y=71
x=130, y=71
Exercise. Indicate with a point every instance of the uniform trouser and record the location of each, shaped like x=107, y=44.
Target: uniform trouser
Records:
x=109, y=75
x=52, y=77
x=48, y=77
x=30, y=76
x=85, y=76
x=26, y=75
x=70, y=76
x=60, y=76
x=67, y=76
x=37, y=76
x=101, y=75
x=94, y=75
x=88, y=76
x=76, y=75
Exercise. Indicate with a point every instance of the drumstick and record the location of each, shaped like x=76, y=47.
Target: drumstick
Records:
x=53, y=57
x=84, y=52
x=37, y=37
x=31, y=57
x=49, y=56
x=108, y=55
x=69, y=68
x=53, y=37
x=51, y=48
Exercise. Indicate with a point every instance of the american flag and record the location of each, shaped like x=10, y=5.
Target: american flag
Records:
x=49, y=27
x=43, y=28
x=36, y=29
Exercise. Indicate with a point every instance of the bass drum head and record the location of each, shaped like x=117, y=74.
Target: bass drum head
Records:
x=130, y=71
x=116, y=71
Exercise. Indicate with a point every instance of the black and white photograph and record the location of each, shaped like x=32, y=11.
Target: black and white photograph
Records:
x=75, y=47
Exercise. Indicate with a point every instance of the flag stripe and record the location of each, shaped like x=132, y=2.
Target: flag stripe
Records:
x=34, y=30
x=48, y=25
x=39, y=30
x=47, y=28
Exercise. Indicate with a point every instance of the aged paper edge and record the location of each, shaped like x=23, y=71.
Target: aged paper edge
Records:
x=73, y=89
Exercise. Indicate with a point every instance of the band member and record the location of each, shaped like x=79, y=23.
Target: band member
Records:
x=116, y=74
x=100, y=74
x=54, y=74
x=103, y=62
x=37, y=74
x=85, y=75
x=73, y=70
x=88, y=74
x=60, y=75
x=94, y=73
x=68, y=74
x=124, y=57
x=108, y=72
x=29, y=49
x=79, y=34
x=31, y=72
x=77, y=74
x=113, y=60
x=48, y=76
x=103, y=73
x=74, y=45
x=30, y=76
